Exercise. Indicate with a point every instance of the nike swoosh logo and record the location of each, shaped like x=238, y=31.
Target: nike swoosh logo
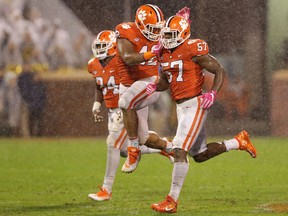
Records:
x=168, y=209
x=127, y=166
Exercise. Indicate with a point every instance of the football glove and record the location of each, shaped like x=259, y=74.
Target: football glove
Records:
x=151, y=87
x=116, y=119
x=117, y=116
x=208, y=99
x=95, y=111
x=157, y=49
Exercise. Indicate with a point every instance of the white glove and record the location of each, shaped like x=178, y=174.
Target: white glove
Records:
x=116, y=121
x=95, y=111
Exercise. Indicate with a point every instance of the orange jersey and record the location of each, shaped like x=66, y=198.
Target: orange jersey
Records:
x=185, y=76
x=130, y=74
x=107, y=79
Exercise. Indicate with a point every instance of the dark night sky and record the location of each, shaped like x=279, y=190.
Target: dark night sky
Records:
x=213, y=21
x=99, y=14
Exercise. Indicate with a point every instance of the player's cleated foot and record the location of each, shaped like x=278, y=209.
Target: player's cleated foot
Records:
x=168, y=205
x=102, y=195
x=132, y=160
x=170, y=155
x=245, y=143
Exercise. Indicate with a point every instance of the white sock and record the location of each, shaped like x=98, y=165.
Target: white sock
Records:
x=113, y=159
x=231, y=144
x=134, y=142
x=145, y=150
x=179, y=173
x=169, y=146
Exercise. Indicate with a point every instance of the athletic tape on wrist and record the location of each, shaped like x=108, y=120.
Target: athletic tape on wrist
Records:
x=96, y=105
x=148, y=55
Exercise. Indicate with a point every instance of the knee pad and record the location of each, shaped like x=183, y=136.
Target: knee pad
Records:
x=110, y=140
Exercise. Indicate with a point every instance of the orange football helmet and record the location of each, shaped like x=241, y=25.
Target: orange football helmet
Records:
x=104, y=44
x=175, y=32
x=150, y=20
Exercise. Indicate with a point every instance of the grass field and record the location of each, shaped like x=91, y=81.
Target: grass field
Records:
x=54, y=177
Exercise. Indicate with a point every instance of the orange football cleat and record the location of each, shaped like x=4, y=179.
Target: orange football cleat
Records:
x=102, y=195
x=168, y=205
x=245, y=143
x=132, y=160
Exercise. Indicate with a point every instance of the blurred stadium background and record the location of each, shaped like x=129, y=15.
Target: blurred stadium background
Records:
x=52, y=39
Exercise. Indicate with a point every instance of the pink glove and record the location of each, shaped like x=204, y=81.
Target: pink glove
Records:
x=157, y=49
x=151, y=87
x=208, y=99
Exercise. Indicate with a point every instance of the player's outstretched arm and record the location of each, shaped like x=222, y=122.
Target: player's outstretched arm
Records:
x=211, y=64
x=127, y=53
x=130, y=57
x=97, y=104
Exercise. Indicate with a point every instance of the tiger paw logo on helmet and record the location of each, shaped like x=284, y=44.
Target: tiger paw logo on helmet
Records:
x=125, y=26
x=142, y=15
x=184, y=24
x=112, y=37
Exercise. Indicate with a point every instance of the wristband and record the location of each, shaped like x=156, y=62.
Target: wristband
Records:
x=96, y=106
x=214, y=92
x=148, y=55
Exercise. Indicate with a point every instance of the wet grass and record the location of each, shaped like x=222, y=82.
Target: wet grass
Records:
x=54, y=177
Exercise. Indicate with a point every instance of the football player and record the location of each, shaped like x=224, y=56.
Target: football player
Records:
x=137, y=46
x=183, y=60
x=104, y=69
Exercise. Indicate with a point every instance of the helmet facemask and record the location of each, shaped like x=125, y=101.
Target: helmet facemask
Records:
x=152, y=32
x=104, y=45
x=100, y=48
x=169, y=38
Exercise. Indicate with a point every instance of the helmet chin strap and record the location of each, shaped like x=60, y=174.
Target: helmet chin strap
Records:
x=101, y=56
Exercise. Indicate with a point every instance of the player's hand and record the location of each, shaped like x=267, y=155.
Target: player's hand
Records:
x=157, y=49
x=95, y=111
x=151, y=87
x=98, y=118
x=208, y=99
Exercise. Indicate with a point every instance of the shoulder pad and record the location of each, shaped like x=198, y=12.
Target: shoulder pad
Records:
x=197, y=47
x=91, y=61
x=124, y=30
